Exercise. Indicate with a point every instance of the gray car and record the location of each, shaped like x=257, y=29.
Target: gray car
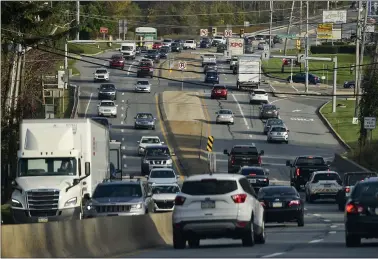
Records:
x=144, y=121
x=119, y=198
x=156, y=156
x=272, y=122
x=268, y=111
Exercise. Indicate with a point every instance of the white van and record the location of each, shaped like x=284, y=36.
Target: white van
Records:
x=128, y=50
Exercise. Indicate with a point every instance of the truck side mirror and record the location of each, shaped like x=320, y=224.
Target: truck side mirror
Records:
x=87, y=168
x=288, y=163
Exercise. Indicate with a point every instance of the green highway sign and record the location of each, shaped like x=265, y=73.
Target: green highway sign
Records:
x=288, y=36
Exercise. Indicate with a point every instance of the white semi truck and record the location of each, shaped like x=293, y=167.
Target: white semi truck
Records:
x=249, y=73
x=60, y=162
x=235, y=47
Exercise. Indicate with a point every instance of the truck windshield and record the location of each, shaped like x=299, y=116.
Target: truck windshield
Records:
x=127, y=48
x=47, y=166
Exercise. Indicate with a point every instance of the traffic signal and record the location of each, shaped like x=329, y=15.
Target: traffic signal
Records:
x=298, y=44
x=241, y=32
x=214, y=31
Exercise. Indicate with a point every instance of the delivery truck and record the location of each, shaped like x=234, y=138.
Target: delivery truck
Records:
x=235, y=47
x=60, y=163
x=248, y=73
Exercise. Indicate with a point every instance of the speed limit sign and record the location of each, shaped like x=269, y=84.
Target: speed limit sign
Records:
x=182, y=65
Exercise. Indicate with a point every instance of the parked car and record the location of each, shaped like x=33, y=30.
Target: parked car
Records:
x=301, y=78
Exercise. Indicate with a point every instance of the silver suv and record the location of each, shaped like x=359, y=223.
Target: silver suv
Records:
x=156, y=156
x=119, y=198
x=144, y=121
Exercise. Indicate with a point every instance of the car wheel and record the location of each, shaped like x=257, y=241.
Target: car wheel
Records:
x=301, y=220
x=153, y=128
x=352, y=240
x=260, y=238
x=178, y=240
x=194, y=243
x=249, y=236
x=287, y=141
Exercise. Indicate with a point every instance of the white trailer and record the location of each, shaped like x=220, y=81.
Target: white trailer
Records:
x=235, y=47
x=249, y=73
x=60, y=163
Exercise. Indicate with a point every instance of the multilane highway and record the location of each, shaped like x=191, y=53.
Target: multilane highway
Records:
x=323, y=233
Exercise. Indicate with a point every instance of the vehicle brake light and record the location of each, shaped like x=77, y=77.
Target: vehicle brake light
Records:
x=252, y=174
x=347, y=189
x=151, y=69
x=259, y=160
x=239, y=198
x=232, y=160
x=297, y=171
x=179, y=200
x=294, y=203
x=352, y=208
x=262, y=203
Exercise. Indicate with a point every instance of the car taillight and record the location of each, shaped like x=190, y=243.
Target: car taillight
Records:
x=347, y=189
x=262, y=203
x=179, y=200
x=151, y=69
x=232, y=160
x=297, y=171
x=352, y=208
x=294, y=203
x=259, y=160
x=239, y=198
x=223, y=91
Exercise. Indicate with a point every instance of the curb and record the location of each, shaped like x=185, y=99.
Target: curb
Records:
x=330, y=128
x=276, y=94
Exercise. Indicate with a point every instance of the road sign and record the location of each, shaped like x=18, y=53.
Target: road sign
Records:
x=301, y=58
x=227, y=54
x=339, y=16
x=104, y=30
x=265, y=55
x=204, y=32
x=210, y=142
x=324, y=31
x=182, y=65
x=370, y=122
x=228, y=33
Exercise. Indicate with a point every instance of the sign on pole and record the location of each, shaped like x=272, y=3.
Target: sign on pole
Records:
x=204, y=32
x=246, y=23
x=104, y=30
x=265, y=55
x=324, y=31
x=370, y=122
x=339, y=16
x=227, y=33
x=182, y=65
x=370, y=28
x=301, y=58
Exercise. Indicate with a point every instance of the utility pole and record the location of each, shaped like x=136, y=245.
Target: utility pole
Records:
x=306, y=46
x=334, y=84
x=327, y=5
x=270, y=24
x=288, y=27
x=357, y=68
x=300, y=17
x=78, y=19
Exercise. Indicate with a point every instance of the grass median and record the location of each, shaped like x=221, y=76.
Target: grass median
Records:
x=273, y=67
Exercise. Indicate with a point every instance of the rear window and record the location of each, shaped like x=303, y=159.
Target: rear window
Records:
x=366, y=191
x=310, y=161
x=212, y=73
x=210, y=187
x=259, y=92
x=244, y=151
x=142, y=83
x=256, y=171
x=278, y=129
x=277, y=191
x=326, y=177
x=219, y=88
x=354, y=178
x=274, y=122
x=218, y=37
x=269, y=107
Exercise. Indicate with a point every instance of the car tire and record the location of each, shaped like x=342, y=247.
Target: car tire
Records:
x=352, y=240
x=178, y=240
x=153, y=128
x=287, y=141
x=261, y=238
x=194, y=243
x=300, y=220
x=249, y=237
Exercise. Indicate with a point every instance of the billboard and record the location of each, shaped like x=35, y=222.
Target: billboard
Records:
x=324, y=31
x=339, y=16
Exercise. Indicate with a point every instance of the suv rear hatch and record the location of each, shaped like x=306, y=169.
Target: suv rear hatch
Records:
x=209, y=199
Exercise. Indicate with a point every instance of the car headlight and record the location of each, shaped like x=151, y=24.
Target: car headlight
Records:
x=146, y=161
x=169, y=162
x=137, y=206
x=16, y=203
x=89, y=206
x=141, y=148
x=70, y=202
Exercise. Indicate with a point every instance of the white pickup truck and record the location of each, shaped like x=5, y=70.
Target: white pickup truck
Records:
x=209, y=59
x=190, y=44
x=218, y=39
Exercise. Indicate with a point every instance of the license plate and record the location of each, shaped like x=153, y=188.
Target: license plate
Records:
x=252, y=180
x=277, y=204
x=218, y=92
x=376, y=211
x=43, y=220
x=207, y=204
x=107, y=110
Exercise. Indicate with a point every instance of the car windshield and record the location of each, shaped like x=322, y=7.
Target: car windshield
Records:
x=278, y=129
x=142, y=83
x=47, y=166
x=117, y=57
x=274, y=122
x=310, y=161
x=366, y=191
x=218, y=37
x=211, y=73
x=107, y=87
x=174, y=44
x=101, y=71
x=117, y=190
x=127, y=48
x=352, y=179
x=326, y=177
x=244, y=150
x=162, y=174
x=150, y=141
x=269, y=107
x=157, y=151
x=165, y=50
x=145, y=116
x=234, y=59
x=219, y=88
x=277, y=191
x=252, y=171
x=225, y=112
x=157, y=43
x=209, y=187
x=108, y=104
x=209, y=56
x=160, y=189
x=102, y=121
x=152, y=51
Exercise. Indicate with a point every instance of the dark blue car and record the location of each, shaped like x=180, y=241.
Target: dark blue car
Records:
x=301, y=78
x=212, y=77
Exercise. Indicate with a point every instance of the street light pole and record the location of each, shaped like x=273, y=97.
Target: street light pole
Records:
x=357, y=67
x=306, y=46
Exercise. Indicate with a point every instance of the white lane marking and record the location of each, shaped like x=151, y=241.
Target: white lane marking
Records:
x=89, y=102
x=317, y=215
x=123, y=147
x=122, y=108
x=334, y=226
x=240, y=109
x=121, y=122
x=295, y=88
x=277, y=100
x=296, y=110
x=123, y=139
x=123, y=93
x=274, y=89
x=122, y=130
x=121, y=114
x=247, y=127
x=327, y=220
x=273, y=255
x=301, y=119
x=128, y=70
x=332, y=232
x=123, y=101
x=250, y=136
x=316, y=241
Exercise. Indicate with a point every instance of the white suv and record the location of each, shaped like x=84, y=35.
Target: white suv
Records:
x=214, y=206
x=323, y=185
x=258, y=96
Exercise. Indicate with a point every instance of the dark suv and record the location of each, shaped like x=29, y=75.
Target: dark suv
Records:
x=268, y=111
x=154, y=55
x=156, y=156
x=243, y=155
x=107, y=92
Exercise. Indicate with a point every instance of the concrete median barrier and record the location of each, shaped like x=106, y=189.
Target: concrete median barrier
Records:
x=187, y=129
x=98, y=237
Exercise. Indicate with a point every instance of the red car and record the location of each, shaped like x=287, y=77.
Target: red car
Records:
x=219, y=92
x=117, y=61
x=157, y=45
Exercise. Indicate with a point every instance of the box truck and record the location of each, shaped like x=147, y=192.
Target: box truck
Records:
x=235, y=47
x=249, y=73
x=60, y=162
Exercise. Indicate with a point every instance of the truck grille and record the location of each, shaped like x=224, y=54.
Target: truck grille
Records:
x=43, y=202
x=100, y=77
x=158, y=162
x=164, y=204
x=112, y=208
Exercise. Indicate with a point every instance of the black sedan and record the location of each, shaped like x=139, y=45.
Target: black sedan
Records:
x=257, y=176
x=176, y=47
x=282, y=204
